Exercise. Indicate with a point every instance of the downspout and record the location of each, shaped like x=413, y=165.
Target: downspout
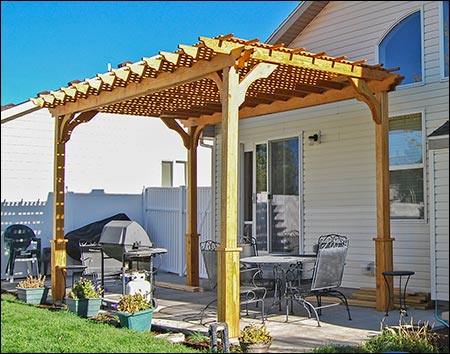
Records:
x=202, y=143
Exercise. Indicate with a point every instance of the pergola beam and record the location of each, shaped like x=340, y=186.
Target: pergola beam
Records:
x=147, y=86
x=313, y=99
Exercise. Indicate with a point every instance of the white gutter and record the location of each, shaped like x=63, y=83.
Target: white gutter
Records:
x=18, y=111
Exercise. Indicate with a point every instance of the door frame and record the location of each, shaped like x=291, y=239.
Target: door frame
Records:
x=250, y=146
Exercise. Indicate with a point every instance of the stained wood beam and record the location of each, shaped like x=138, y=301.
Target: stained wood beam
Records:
x=163, y=81
x=313, y=99
x=173, y=124
x=331, y=84
x=365, y=94
x=316, y=62
x=309, y=88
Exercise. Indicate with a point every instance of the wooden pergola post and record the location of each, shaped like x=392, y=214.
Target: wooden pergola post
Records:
x=190, y=142
x=64, y=126
x=378, y=105
x=383, y=241
x=192, y=235
x=228, y=253
x=232, y=93
x=58, y=243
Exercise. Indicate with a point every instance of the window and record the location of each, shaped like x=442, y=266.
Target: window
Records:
x=406, y=164
x=166, y=173
x=444, y=42
x=402, y=47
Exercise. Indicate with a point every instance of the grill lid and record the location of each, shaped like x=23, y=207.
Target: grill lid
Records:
x=122, y=236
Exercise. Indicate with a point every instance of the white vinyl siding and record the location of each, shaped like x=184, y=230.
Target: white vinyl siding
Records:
x=439, y=224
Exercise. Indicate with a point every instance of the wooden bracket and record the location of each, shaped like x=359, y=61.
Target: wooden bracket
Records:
x=366, y=95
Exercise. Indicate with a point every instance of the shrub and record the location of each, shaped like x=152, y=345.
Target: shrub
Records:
x=133, y=303
x=83, y=288
x=32, y=282
x=407, y=338
x=255, y=334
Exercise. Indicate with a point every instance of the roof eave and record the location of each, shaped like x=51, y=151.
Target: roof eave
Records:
x=296, y=22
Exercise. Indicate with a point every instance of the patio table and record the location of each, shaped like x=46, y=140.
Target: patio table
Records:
x=282, y=261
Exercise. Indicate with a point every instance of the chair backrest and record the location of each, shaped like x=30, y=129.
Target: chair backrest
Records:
x=330, y=262
x=207, y=249
x=91, y=257
x=249, y=246
x=18, y=237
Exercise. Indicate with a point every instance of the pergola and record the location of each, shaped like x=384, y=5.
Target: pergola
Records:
x=222, y=80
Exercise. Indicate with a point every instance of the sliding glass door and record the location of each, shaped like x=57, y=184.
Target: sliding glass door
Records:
x=276, y=185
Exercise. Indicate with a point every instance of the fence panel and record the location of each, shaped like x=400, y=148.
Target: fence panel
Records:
x=166, y=223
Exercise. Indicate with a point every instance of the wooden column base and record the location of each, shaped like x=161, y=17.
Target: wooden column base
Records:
x=384, y=263
x=228, y=284
x=58, y=261
x=192, y=260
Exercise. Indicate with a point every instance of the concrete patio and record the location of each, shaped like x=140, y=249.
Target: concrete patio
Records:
x=179, y=310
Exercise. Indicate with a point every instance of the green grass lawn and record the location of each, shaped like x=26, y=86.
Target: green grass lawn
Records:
x=30, y=329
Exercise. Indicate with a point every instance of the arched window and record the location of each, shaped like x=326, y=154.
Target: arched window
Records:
x=402, y=47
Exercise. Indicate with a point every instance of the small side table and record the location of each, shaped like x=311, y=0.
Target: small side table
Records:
x=400, y=274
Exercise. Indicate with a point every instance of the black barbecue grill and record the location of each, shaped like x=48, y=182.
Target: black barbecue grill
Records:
x=127, y=241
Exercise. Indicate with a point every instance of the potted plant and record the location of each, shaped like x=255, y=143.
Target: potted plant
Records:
x=255, y=339
x=85, y=298
x=135, y=312
x=32, y=290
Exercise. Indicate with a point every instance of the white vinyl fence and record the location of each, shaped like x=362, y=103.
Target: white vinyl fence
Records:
x=165, y=222
x=161, y=211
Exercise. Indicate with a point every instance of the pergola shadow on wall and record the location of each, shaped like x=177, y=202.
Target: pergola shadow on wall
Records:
x=219, y=81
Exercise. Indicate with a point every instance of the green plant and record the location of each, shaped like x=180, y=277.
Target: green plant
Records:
x=198, y=337
x=405, y=337
x=255, y=334
x=32, y=282
x=84, y=288
x=133, y=303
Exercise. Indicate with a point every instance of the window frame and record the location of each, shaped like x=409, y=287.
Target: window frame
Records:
x=441, y=42
x=422, y=44
x=423, y=165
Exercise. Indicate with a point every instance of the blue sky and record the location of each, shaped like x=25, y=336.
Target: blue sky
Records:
x=47, y=44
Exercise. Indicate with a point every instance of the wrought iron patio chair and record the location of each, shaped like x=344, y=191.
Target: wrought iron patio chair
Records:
x=23, y=246
x=250, y=291
x=323, y=279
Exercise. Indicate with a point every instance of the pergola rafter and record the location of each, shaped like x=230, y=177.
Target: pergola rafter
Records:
x=222, y=80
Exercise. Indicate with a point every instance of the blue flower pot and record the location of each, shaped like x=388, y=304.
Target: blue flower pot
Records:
x=33, y=296
x=84, y=307
x=139, y=321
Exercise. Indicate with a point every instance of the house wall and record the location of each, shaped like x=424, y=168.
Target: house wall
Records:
x=115, y=153
x=339, y=174
x=439, y=225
